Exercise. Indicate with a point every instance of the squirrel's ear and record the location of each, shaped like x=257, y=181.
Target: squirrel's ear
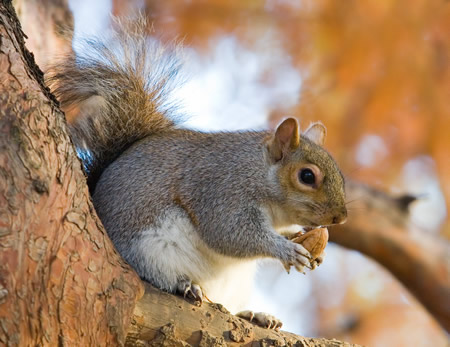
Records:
x=316, y=132
x=285, y=140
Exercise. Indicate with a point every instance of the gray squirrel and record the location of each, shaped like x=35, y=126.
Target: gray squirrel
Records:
x=190, y=211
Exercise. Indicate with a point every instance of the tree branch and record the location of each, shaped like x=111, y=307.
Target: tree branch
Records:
x=378, y=228
x=162, y=319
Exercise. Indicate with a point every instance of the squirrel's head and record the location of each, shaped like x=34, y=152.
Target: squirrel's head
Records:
x=312, y=184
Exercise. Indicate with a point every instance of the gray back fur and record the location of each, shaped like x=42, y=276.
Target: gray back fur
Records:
x=187, y=169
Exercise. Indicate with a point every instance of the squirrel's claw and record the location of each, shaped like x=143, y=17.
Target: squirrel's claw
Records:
x=300, y=269
x=197, y=294
x=188, y=289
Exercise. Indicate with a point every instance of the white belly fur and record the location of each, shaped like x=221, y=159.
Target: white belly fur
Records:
x=174, y=248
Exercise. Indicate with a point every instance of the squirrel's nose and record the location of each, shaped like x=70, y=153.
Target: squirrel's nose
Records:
x=341, y=218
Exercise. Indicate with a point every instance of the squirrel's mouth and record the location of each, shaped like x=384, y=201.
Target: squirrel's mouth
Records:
x=311, y=226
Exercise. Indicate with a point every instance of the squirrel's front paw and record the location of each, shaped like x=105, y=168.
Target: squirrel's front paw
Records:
x=298, y=257
x=189, y=289
x=262, y=319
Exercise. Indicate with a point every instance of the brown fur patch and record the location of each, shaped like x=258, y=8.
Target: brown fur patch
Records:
x=185, y=206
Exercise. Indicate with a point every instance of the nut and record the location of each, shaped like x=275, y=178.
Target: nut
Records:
x=314, y=241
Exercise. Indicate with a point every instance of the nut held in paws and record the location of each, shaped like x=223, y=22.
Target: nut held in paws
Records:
x=314, y=241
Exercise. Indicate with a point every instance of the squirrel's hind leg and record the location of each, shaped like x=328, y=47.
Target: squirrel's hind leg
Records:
x=168, y=256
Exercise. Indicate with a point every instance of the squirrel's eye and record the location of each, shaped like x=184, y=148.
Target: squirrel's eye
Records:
x=307, y=176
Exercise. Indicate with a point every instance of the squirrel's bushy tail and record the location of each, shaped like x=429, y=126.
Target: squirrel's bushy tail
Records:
x=120, y=85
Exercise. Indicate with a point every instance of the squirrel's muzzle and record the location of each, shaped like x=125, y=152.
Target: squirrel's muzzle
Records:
x=340, y=218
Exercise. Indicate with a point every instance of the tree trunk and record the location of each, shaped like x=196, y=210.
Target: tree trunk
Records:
x=61, y=280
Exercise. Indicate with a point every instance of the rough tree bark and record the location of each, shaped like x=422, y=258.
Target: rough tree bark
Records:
x=61, y=281
x=179, y=323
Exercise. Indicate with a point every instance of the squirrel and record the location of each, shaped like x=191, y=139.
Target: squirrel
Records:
x=190, y=211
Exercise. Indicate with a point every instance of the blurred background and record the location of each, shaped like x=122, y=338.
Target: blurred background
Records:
x=376, y=73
